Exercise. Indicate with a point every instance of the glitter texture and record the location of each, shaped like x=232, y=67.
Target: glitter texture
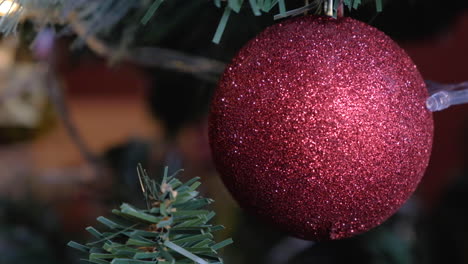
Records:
x=320, y=127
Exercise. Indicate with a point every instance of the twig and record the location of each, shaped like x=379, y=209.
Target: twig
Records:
x=297, y=11
x=58, y=100
x=203, y=68
x=93, y=43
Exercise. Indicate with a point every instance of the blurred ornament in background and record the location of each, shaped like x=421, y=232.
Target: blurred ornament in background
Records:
x=24, y=107
x=179, y=102
x=320, y=127
x=8, y=7
x=43, y=45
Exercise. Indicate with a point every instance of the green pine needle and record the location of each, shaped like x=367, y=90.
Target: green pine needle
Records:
x=255, y=9
x=378, y=5
x=356, y=4
x=222, y=25
x=151, y=11
x=173, y=229
x=282, y=7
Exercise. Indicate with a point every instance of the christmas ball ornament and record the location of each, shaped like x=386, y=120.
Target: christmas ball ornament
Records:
x=319, y=126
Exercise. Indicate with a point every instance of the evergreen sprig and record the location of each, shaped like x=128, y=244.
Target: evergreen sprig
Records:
x=174, y=229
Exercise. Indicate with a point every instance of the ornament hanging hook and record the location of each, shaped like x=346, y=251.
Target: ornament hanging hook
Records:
x=334, y=8
x=328, y=6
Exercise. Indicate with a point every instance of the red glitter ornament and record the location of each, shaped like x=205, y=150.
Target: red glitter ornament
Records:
x=320, y=126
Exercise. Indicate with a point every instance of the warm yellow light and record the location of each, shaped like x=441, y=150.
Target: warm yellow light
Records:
x=8, y=7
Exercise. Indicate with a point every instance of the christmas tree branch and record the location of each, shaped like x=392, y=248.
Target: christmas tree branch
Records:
x=204, y=68
x=91, y=19
x=93, y=43
x=103, y=16
x=172, y=229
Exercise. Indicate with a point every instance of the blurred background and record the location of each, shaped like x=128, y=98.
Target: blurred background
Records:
x=69, y=145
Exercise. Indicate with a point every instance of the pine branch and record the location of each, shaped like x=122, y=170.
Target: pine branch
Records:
x=90, y=19
x=100, y=17
x=203, y=68
x=93, y=43
x=173, y=229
